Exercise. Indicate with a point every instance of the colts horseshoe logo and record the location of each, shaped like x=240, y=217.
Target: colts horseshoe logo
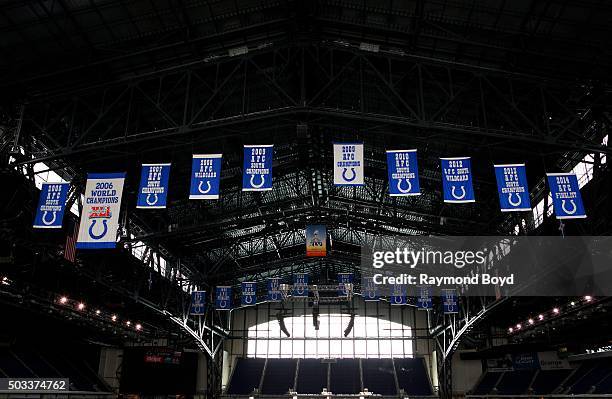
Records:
x=569, y=211
x=300, y=289
x=404, y=190
x=48, y=222
x=104, y=229
x=222, y=304
x=518, y=202
x=149, y=202
x=454, y=194
x=208, y=187
x=397, y=299
x=353, y=174
x=260, y=185
x=371, y=294
x=248, y=299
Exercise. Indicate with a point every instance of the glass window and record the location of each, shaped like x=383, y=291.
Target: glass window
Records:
x=385, y=338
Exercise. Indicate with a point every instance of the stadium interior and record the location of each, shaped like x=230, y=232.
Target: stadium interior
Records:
x=250, y=290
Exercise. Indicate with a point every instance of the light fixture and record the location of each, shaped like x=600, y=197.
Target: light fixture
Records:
x=556, y=310
x=81, y=306
x=128, y=323
x=138, y=327
x=573, y=303
x=63, y=300
x=530, y=321
x=588, y=298
x=114, y=317
x=518, y=326
x=510, y=329
x=541, y=317
x=98, y=312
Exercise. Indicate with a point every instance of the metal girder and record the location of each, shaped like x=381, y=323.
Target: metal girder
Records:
x=339, y=82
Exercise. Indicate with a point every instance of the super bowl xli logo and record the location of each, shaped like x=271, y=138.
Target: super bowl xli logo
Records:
x=96, y=213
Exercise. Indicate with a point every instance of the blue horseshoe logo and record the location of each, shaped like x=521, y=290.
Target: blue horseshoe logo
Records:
x=248, y=299
x=399, y=186
x=48, y=222
x=149, y=202
x=458, y=197
x=517, y=203
x=208, y=187
x=222, y=304
x=354, y=174
x=260, y=185
x=104, y=229
x=569, y=211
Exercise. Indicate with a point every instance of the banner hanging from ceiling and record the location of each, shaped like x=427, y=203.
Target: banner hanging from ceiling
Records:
x=316, y=240
x=369, y=290
x=223, y=298
x=565, y=191
x=257, y=172
x=403, y=172
x=512, y=187
x=100, y=214
x=51, y=205
x=449, y=301
x=424, y=300
x=300, y=285
x=399, y=295
x=274, y=292
x=198, y=303
x=249, y=293
x=205, y=176
x=457, y=180
x=343, y=280
x=153, y=190
x=348, y=164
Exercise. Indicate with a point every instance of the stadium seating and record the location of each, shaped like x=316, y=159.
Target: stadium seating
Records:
x=412, y=376
x=312, y=376
x=19, y=362
x=487, y=383
x=515, y=382
x=246, y=376
x=344, y=376
x=547, y=381
x=378, y=376
x=279, y=376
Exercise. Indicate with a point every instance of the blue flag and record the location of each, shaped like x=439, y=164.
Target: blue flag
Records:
x=343, y=279
x=198, y=303
x=300, y=285
x=51, y=205
x=369, y=290
x=205, y=176
x=457, y=180
x=512, y=187
x=257, y=172
x=424, y=300
x=249, y=293
x=449, y=301
x=565, y=191
x=398, y=296
x=274, y=292
x=153, y=191
x=223, y=298
x=403, y=172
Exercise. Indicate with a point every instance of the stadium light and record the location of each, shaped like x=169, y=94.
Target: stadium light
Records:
x=81, y=306
x=573, y=303
x=63, y=300
x=128, y=323
x=98, y=312
x=510, y=329
x=138, y=327
x=556, y=310
x=518, y=326
x=530, y=321
x=114, y=317
x=541, y=317
x=588, y=298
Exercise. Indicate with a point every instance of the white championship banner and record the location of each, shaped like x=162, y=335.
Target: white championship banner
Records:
x=348, y=164
x=100, y=214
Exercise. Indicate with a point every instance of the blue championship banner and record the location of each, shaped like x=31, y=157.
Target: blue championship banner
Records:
x=457, y=180
x=403, y=172
x=51, y=205
x=249, y=293
x=300, y=285
x=198, y=303
x=223, y=298
x=205, y=176
x=399, y=295
x=348, y=164
x=512, y=187
x=565, y=191
x=100, y=214
x=274, y=293
x=369, y=290
x=257, y=172
x=424, y=300
x=343, y=279
x=449, y=301
x=153, y=191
